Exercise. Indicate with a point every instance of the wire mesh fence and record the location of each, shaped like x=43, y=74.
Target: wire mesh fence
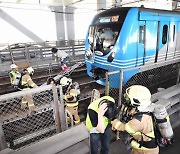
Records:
x=163, y=76
x=22, y=127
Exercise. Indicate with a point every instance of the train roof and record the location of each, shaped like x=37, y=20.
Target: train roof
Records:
x=143, y=9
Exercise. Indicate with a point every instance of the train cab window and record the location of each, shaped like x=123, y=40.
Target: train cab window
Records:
x=91, y=32
x=164, y=35
x=141, y=34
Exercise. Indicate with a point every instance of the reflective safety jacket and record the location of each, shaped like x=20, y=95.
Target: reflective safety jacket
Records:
x=142, y=131
x=92, y=114
x=13, y=76
x=27, y=82
x=71, y=98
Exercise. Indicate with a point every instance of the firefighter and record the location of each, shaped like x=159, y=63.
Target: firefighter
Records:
x=99, y=113
x=26, y=84
x=71, y=102
x=71, y=93
x=14, y=75
x=140, y=125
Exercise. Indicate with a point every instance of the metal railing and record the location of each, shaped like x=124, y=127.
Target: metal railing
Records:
x=21, y=128
x=39, y=55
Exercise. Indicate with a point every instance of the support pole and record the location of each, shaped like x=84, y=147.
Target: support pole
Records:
x=61, y=110
x=120, y=95
x=107, y=85
x=57, y=114
x=3, y=144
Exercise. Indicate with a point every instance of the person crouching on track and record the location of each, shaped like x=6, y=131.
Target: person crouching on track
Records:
x=26, y=84
x=71, y=102
x=140, y=125
x=63, y=57
x=99, y=113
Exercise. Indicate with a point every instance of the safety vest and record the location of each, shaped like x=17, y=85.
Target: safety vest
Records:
x=95, y=106
x=71, y=100
x=142, y=145
x=15, y=77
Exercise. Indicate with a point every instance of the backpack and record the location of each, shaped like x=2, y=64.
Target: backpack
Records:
x=162, y=140
x=162, y=130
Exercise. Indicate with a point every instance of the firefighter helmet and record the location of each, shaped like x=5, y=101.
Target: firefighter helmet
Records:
x=65, y=81
x=139, y=96
x=29, y=70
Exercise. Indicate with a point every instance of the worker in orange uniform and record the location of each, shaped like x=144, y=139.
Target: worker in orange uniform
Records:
x=26, y=84
x=71, y=102
x=71, y=93
x=140, y=125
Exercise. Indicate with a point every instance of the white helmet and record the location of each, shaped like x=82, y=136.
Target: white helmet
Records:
x=30, y=70
x=139, y=96
x=65, y=81
x=13, y=66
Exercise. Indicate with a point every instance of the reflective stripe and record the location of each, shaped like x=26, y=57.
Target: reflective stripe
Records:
x=117, y=125
x=136, y=145
x=167, y=118
x=129, y=129
x=72, y=104
x=25, y=88
x=151, y=134
x=31, y=105
x=24, y=102
x=33, y=85
x=28, y=79
x=71, y=94
x=76, y=121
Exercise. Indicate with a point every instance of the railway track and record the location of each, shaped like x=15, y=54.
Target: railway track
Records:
x=41, y=76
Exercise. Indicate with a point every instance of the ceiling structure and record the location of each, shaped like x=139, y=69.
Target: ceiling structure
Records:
x=91, y=4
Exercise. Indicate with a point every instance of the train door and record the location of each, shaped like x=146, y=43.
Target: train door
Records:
x=162, y=39
x=177, y=38
x=141, y=43
x=172, y=40
x=151, y=41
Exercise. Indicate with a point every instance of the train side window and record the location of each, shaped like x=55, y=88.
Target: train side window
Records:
x=141, y=34
x=164, y=35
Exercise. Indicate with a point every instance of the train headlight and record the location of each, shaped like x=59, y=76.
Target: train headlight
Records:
x=111, y=57
x=89, y=54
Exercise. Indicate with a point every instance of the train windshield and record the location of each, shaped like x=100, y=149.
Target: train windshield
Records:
x=104, y=32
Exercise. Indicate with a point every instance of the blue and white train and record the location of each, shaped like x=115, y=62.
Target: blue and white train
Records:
x=121, y=38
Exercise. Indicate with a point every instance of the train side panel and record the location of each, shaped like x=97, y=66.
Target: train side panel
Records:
x=126, y=56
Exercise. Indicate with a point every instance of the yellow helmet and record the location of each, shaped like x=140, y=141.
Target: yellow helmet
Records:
x=139, y=96
x=29, y=70
x=65, y=81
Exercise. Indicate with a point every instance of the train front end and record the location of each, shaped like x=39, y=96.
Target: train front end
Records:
x=102, y=44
